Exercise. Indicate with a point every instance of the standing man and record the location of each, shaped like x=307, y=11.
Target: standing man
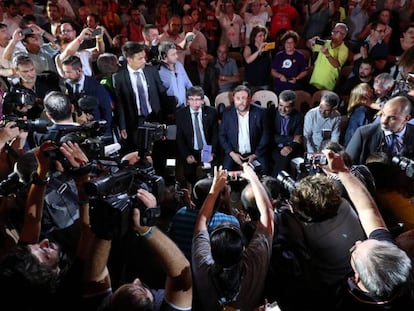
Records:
x=135, y=106
x=244, y=131
x=79, y=84
x=172, y=73
x=322, y=122
x=332, y=55
x=197, y=126
x=393, y=135
x=287, y=132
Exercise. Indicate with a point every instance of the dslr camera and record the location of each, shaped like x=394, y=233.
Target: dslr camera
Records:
x=405, y=164
x=38, y=125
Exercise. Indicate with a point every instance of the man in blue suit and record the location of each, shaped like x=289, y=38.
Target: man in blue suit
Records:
x=244, y=133
x=79, y=84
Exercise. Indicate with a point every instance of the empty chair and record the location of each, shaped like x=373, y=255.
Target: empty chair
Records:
x=303, y=101
x=266, y=98
x=207, y=100
x=316, y=98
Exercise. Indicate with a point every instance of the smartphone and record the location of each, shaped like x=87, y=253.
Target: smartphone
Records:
x=316, y=158
x=270, y=46
x=96, y=32
x=319, y=42
x=189, y=38
x=27, y=31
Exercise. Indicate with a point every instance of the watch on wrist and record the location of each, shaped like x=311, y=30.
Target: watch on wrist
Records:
x=36, y=180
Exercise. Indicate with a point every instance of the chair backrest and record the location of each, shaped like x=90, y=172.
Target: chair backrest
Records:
x=225, y=98
x=316, y=98
x=303, y=101
x=207, y=101
x=266, y=98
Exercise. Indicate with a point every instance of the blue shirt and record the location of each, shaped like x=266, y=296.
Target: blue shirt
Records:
x=176, y=82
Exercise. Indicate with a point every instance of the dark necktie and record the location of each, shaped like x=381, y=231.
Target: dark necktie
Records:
x=76, y=88
x=284, y=126
x=141, y=94
x=393, y=144
x=198, y=131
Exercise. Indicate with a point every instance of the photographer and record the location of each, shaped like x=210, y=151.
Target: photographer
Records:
x=381, y=270
x=177, y=294
x=228, y=273
x=25, y=98
x=37, y=275
x=330, y=227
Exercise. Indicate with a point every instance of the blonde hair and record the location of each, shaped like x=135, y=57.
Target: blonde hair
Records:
x=359, y=96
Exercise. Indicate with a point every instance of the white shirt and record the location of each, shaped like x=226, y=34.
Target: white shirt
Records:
x=244, y=134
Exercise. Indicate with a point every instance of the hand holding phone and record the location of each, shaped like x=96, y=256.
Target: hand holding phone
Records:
x=96, y=32
x=27, y=31
x=319, y=41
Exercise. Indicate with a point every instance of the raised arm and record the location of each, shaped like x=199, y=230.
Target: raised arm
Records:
x=367, y=210
x=206, y=211
x=262, y=199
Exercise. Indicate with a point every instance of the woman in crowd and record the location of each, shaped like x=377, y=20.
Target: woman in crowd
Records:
x=359, y=111
x=257, y=59
x=289, y=66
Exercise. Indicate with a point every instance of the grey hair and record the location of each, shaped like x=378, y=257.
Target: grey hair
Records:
x=384, y=269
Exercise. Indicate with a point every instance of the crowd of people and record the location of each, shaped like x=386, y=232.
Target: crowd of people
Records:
x=278, y=205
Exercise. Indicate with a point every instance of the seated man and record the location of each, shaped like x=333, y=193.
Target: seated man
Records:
x=244, y=134
x=393, y=135
x=322, y=123
x=287, y=132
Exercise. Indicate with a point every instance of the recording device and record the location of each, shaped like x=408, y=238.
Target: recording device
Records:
x=319, y=41
x=10, y=185
x=149, y=133
x=270, y=46
x=405, y=164
x=286, y=182
x=189, y=38
x=37, y=125
x=27, y=31
x=316, y=158
x=89, y=136
x=112, y=198
x=16, y=99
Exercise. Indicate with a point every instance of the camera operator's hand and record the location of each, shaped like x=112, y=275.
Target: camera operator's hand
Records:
x=74, y=154
x=191, y=160
x=149, y=201
x=335, y=162
x=43, y=163
x=8, y=132
x=219, y=180
x=248, y=172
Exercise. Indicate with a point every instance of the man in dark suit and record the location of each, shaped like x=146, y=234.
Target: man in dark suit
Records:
x=78, y=84
x=393, y=135
x=189, y=146
x=129, y=110
x=244, y=133
x=287, y=132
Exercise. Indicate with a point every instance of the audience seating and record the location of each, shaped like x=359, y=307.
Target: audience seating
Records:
x=303, y=101
x=266, y=98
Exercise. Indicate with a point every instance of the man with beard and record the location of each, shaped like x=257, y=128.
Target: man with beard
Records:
x=365, y=75
x=244, y=133
x=70, y=44
x=287, y=132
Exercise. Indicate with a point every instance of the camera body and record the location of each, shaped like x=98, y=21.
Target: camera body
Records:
x=17, y=98
x=112, y=197
x=10, y=185
x=320, y=41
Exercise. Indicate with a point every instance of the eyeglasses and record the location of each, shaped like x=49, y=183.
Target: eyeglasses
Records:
x=66, y=30
x=380, y=31
x=334, y=32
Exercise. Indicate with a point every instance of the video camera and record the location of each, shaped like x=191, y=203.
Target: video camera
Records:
x=10, y=185
x=88, y=136
x=38, y=125
x=16, y=99
x=405, y=164
x=112, y=197
x=149, y=133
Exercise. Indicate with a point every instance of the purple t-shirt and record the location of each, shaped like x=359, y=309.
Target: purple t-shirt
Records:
x=290, y=66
